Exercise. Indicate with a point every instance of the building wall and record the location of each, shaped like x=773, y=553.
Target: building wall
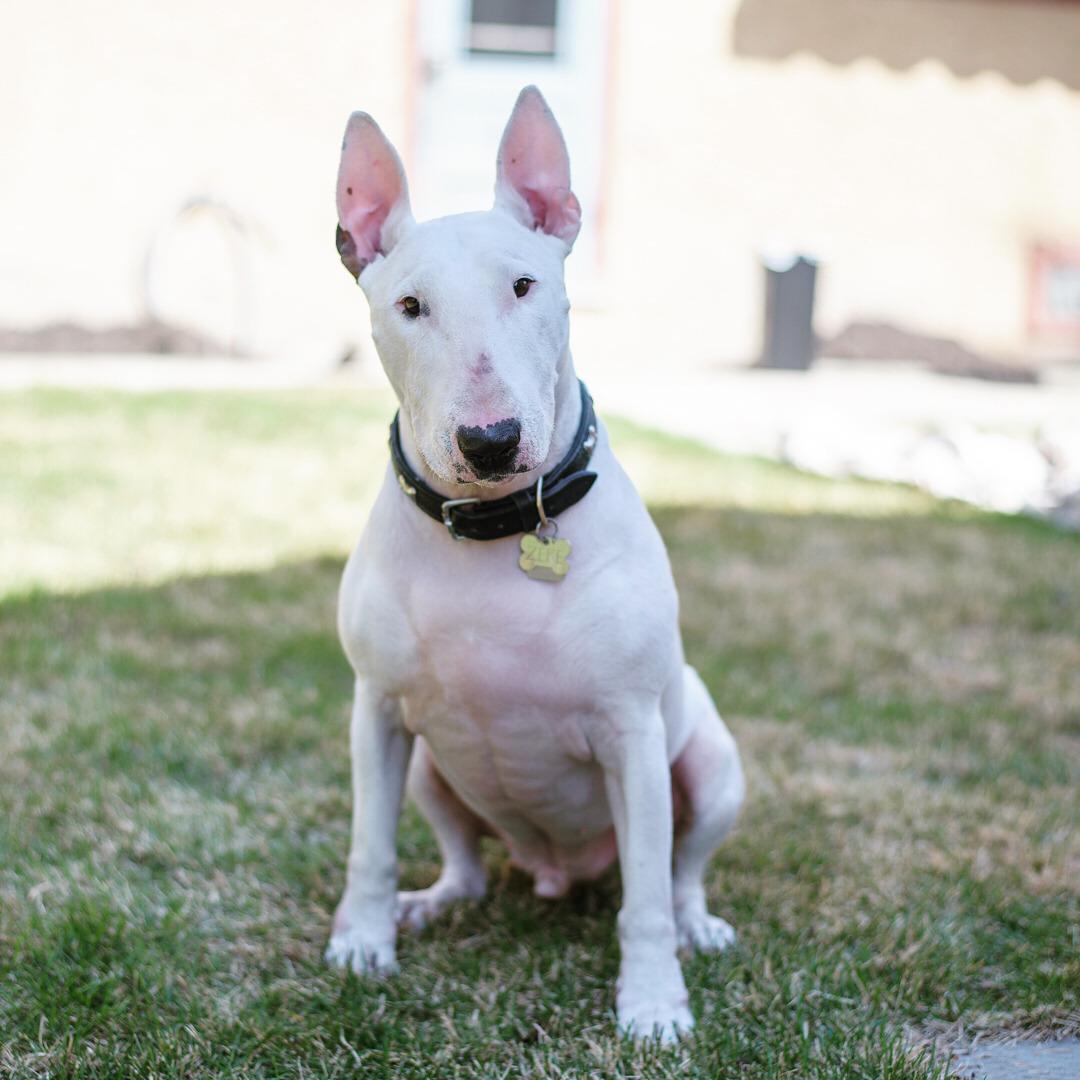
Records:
x=911, y=144
x=113, y=116
x=869, y=133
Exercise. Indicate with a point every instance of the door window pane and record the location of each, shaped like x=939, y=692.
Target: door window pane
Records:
x=522, y=27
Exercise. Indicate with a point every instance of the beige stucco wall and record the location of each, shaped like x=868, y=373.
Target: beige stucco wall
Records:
x=113, y=115
x=909, y=143
x=920, y=189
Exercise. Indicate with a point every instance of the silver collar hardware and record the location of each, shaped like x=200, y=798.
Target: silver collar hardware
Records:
x=544, y=521
x=406, y=486
x=590, y=439
x=448, y=521
x=540, y=502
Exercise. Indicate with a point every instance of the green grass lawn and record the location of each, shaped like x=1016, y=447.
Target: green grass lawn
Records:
x=903, y=678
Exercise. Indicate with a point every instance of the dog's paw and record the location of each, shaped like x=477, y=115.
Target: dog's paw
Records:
x=353, y=950
x=702, y=932
x=416, y=909
x=663, y=1021
x=651, y=1000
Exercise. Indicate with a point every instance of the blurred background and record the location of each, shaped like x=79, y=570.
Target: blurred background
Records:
x=884, y=190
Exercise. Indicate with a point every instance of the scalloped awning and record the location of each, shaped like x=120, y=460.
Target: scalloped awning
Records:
x=1021, y=40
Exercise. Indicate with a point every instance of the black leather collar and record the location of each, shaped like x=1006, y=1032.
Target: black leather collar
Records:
x=476, y=519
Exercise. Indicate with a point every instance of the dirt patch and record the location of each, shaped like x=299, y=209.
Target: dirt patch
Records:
x=883, y=341
x=147, y=336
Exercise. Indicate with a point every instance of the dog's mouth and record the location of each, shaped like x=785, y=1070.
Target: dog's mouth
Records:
x=488, y=478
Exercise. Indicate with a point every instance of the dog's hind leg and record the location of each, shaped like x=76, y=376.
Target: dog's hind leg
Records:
x=709, y=787
x=457, y=832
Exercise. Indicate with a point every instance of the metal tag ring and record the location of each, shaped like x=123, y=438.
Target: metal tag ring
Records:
x=540, y=504
x=545, y=521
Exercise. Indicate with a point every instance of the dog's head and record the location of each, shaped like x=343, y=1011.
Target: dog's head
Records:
x=468, y=312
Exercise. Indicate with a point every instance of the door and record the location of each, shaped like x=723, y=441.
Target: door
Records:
x=475, y=56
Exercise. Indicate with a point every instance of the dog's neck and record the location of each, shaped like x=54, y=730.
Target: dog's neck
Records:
x=567, y=418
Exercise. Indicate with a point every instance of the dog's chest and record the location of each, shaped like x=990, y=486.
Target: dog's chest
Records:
x=495, y=666
x=506, y=709
x=490, y=655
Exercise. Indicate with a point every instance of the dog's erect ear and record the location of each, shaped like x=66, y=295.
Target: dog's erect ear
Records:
x=372, y=196
x=532, y=173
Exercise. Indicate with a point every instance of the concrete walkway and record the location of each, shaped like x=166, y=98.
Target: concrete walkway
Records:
x=145, y=372
x=737, y=409
x=1059, y=1060
x=1003, y=446
x=752, y=411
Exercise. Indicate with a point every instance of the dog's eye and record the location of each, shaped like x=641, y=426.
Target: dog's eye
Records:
x=410, y=305
x=521, y=286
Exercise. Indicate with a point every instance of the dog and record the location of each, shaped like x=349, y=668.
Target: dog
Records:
x=510, y=612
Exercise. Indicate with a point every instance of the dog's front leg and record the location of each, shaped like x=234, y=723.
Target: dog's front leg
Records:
x=365, y=923
x=651, y=998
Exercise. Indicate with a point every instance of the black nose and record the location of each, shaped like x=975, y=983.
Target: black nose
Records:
x=490, y=449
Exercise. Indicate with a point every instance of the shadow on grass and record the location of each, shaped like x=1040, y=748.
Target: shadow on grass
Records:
x=175, y=809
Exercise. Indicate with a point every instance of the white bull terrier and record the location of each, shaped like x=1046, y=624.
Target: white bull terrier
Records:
x=531, y=688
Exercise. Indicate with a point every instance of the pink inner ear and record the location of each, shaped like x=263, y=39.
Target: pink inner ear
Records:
x=556, y=213
x=370, y=185
x=364, y=224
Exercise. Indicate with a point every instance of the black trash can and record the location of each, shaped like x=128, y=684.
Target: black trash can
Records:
x=789, y=312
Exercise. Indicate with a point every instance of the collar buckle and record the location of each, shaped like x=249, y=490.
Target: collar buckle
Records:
x=448, y=521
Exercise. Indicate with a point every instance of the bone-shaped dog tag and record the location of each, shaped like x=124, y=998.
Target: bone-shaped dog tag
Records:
x=544, y=558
